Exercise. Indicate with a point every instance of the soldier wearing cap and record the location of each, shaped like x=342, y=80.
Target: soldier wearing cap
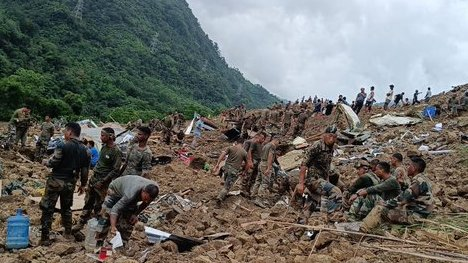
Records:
x=317, y=159
x=367, y=178
x=106, y=170
x=415, y=202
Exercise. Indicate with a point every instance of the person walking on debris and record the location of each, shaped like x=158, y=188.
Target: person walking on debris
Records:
x=265, y=175
x=415, y=202
x=235, y=164
x=286, y=121
x=300, y=123
x=106, y=170
x=19, y=125
x=367, y=198
x=197, y=132
x=47, y=131
x=398, y=98
x=360, y=100
x=398, y=171
x=366, y=178
x=69, y=162
x=120, y=208
x=253, y=148
x=453, y=105
x=415, y=97
x=139, y=155
x=370, y=100
x=388, y=97
x=428, y=95
x=169, y=123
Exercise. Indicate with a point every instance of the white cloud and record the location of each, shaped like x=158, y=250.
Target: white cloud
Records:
x=308, y=47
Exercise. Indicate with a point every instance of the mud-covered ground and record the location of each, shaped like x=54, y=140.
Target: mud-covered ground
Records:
x=269, y=235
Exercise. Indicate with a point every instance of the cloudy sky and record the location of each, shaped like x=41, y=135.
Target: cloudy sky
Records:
x=329, y=47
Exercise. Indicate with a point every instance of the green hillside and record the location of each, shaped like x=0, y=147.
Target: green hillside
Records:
x=124, y=59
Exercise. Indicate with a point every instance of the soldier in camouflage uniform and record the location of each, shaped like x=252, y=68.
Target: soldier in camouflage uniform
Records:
x=367, y=178
x=330, y=196
x=169, y=123
x=139, y=155
x=235, y=164
x=317, y=159
x=47, y=131
x=106, y=170
x=265, y=174
x=254, y=156
x=365, y=199
x=398, y=171
x=120, y=207
x=19, y=125
x=415, y=202
x=69, y=162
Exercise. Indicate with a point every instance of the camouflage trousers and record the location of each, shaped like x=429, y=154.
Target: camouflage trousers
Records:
x=331, y=196
x=298, y=129
x=93, y=199
x=263, y=181
x=21, y=135
x=249, y=179
x=123, y=221
x=230, y=177
x=362, y=206
x=167, y=134
x=286, y=127
x=380, y=214
x=41, y=150
x=56, y=188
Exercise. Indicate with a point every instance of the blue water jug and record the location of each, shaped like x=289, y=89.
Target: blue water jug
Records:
x=17, y=231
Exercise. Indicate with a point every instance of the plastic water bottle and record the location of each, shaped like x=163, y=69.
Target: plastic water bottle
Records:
x=17, y=231
x=91, y=229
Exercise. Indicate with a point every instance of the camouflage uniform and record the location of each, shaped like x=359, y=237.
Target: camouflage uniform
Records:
x=107, y=169
x=415, y=202
x=318, y=159
x=400, y=174
x=386, y=190
x=367, y=180
x=122, y=199
x=249, y=179
x=330, y=195
x=47, y=131
x=138, y=162
x=19, y=125
x=168, y=126
x=287, y=121
x=232, y=168
x=70, y=159
x=263, y=180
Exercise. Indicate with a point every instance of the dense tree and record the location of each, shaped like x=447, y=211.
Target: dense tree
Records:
x=124, y=60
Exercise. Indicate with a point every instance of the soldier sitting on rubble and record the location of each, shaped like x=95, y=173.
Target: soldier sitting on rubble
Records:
x=366, y=198
x=366, y=179
x=415, y=202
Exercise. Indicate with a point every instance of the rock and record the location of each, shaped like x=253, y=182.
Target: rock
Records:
x=140, y=227
x=462, y=122
x=319, y=258
x=170, y=246
x=202, y=259
x=356, y=260
x=125, y=260
x=300, y=259
x=29, y=255
x=17, y=192
x=212, y=254
x=62, y=249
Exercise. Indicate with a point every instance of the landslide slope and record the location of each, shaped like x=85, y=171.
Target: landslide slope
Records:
x=125, y=59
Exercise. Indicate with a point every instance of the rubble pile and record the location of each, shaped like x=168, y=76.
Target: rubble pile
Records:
x=239, y=231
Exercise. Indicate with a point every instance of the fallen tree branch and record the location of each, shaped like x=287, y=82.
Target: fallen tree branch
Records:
x=442, y=224
x=321, y=228
x=418, y=254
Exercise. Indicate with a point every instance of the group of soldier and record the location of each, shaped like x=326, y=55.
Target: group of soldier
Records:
x=383, y=190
